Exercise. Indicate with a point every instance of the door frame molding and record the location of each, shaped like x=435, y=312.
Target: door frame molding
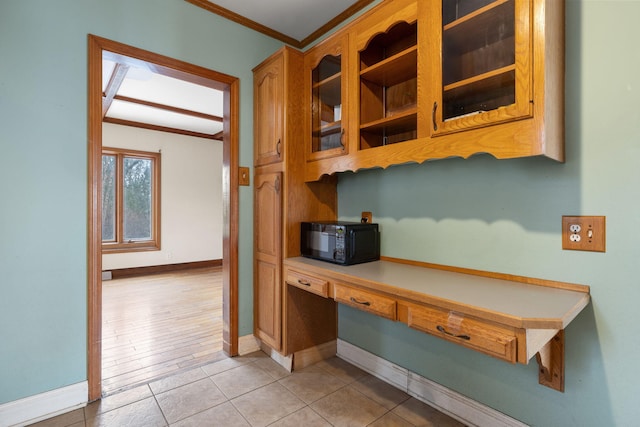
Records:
x=168, y=66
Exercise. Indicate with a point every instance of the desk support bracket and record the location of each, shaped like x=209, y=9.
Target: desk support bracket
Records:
x=550, y=360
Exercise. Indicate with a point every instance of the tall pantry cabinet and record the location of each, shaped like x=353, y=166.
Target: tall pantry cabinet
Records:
x=281, y=201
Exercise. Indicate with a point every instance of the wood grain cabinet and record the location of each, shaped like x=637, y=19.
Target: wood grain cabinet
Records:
x=327, y=116
x=494, y=77
x=486, y=62
x=508, y=317
x=268, y=111
x=282, y=199
x=276, y=111
x=501, y=86
x=309, y=283
x=476, y=334
x=386, y=48
x=408, y=81
x=365, y=300
x=268, y=258
x=453, y=78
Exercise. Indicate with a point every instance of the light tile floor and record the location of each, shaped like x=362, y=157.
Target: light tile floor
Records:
x=254, y=391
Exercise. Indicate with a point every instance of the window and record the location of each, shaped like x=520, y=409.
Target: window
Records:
x=130, y=200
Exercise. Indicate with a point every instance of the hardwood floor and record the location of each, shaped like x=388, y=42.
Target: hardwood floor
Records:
x=158, y=325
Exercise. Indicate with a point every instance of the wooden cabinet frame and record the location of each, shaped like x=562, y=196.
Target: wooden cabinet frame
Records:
x=282, y=201
x=305, y=313
x=532, y=126
x=512, y=318
x=333, y=47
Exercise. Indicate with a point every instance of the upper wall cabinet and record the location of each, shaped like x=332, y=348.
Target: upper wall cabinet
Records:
x=387, y=54
x=325, y=67
x=268, y=111
x=495, y=77
x=453, y=78
x=485, y=62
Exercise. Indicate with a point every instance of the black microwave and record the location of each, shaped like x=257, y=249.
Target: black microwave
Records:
x=340, y=242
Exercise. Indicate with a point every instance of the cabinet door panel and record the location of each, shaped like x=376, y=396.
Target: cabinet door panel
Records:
x=484, y=52
x=268, y=258
x=325, y=67
x=268, y=303
x=268, y=112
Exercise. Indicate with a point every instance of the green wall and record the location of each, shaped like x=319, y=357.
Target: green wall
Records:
x=505, y=215
x=43, y=165
x=478, y=213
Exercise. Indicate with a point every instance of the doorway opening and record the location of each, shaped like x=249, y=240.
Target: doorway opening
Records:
x=169, y=67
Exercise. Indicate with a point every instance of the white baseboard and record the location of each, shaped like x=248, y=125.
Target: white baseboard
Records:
x=285, y=361
x=388, y=372
x=248, y=344
x=44, y=405
x=454, y=404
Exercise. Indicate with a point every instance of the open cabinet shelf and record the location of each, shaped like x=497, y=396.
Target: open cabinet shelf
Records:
x=388, y=87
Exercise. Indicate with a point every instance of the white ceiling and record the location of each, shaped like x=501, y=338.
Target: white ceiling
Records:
x=142, y=94
x=294, y=18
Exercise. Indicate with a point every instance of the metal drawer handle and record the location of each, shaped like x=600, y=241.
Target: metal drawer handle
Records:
x=367, y=303
x=303, y=283
x=444, y=331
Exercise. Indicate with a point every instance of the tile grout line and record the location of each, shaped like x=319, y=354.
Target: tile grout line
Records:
x=155, y=399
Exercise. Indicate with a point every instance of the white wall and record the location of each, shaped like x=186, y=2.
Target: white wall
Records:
x=191, y=200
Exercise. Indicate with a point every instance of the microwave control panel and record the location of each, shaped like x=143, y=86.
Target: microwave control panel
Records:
x=340, y=235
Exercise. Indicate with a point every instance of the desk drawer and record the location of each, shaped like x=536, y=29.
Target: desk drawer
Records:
x=364, y=300
x=307, y=282
x=476, y=334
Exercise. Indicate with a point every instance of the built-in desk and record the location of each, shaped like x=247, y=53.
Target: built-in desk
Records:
x=509, y=317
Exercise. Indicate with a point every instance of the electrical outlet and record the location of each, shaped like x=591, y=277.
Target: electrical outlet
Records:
x=583, y=233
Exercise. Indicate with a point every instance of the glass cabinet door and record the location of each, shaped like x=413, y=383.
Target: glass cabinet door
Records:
x=485, y=63
x=324, y=66
x=327, y=105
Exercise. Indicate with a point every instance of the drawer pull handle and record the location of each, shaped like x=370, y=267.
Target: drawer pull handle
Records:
x=303, y=283
x=444, y=331
x=433, y=116
x=367, y=303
